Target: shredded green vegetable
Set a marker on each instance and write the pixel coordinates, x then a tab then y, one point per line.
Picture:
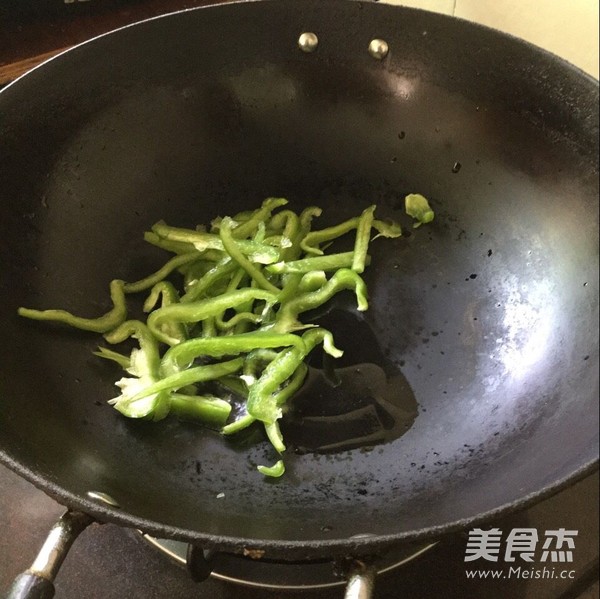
225	312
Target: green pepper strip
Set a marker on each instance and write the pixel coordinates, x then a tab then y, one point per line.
198	374
207	282
261	215
289	222
162	290
314	238
240	217
280	241
201	241
274	434
291	283
280	397
238	319
236	280
182	355
238	425
306	217
262	399
147	341
206	408
146	362
203	309
167	292
162	272
312	281
330	262
261	233
276	470
233	284
177	247
361	243
220	271
294	383
231	247
104	323
193	272
241	321
256	360
109	354
390	229
287	317
209	328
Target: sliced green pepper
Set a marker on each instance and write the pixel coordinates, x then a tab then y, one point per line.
144	366
220	271
274	434
277	470
162	272
280	398
197	374
312	281
201	310
223	276
306	265
261	215
205	408
315	238
201	241
344	278
363	236
310	244
289	223
182	355
262	400
108	354
166	292
177	247
256	361
110	320
238	425
232	248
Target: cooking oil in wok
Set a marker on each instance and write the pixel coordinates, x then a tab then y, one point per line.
358	400
359	406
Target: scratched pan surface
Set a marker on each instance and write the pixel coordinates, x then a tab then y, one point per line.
490	313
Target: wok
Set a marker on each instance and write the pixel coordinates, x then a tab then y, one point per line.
490	313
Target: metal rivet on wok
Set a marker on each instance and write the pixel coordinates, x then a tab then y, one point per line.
378	49
103	497
308	42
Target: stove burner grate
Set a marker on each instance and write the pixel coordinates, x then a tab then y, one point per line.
274	575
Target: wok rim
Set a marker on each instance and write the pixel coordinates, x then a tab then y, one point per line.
313	548
408	9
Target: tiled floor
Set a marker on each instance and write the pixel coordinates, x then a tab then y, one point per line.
568	28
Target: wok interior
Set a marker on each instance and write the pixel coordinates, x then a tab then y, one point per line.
490	312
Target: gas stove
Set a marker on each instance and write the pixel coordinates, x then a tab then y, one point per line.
111	562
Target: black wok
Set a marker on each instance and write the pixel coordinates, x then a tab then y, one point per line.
490	313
